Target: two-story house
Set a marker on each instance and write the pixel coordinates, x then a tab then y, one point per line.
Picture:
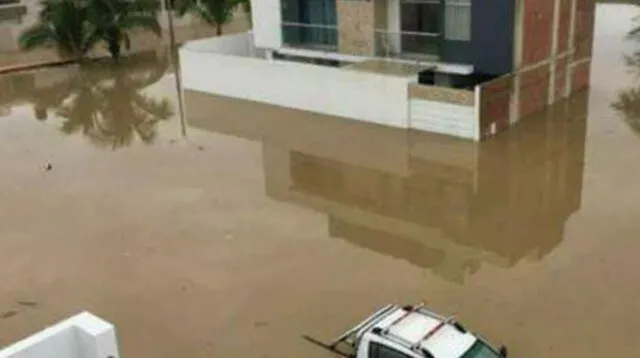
468	68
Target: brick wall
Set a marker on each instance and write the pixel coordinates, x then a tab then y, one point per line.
537	29
561	77
534	90
584	23
564	23
495	104
580	76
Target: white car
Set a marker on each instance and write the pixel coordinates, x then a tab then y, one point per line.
410	332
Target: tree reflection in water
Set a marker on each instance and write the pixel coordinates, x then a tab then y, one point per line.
628	102
106	102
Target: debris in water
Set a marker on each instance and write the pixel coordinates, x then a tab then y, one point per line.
27	303
260	324
8	314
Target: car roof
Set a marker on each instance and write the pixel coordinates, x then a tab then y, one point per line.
434	333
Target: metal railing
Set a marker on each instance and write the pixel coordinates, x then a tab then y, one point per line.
310	36
407	45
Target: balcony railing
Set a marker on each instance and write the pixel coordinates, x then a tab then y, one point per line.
407	45
310	36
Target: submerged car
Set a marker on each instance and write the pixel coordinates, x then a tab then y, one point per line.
410	332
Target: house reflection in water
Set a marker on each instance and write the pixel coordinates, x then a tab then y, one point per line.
436	202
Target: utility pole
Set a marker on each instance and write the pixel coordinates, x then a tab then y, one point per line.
175	62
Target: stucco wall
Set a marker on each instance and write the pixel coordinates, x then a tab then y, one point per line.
352	94
356	23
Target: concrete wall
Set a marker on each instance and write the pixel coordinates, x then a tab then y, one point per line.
352	94
444	118
267	21
443	110
82	336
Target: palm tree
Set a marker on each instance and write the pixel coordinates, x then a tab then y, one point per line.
628	101
62	24
114	19
246	6
214	12
628	105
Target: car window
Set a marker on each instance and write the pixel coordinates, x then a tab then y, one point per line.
481	350
377	350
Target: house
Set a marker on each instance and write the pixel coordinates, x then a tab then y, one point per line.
468	68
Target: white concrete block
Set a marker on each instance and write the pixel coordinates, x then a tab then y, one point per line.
82	336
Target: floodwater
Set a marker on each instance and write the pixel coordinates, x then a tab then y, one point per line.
264	224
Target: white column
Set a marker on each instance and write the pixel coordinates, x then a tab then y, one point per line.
554	51
514	110
572	49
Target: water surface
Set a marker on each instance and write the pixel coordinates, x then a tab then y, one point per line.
264	224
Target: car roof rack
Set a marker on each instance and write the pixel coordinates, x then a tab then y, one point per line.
417	346
409	310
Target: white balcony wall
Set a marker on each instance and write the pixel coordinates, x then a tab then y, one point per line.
267	22
82	336
208	66
444	118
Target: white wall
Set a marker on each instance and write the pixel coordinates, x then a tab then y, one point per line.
237	45
267	21
352	94
443	118
82	336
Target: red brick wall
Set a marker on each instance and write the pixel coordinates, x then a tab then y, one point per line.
580	76
537	28
495	99
534	90
561	77
583	35
535	84
564	25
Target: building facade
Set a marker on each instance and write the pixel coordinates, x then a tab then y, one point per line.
467	68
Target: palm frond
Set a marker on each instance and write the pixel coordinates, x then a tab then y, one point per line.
142	21
39	35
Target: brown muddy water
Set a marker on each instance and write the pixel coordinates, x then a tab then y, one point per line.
264	224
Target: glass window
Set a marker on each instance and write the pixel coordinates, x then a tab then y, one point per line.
457	20
309	23
421	16
377	350
481	350
420	26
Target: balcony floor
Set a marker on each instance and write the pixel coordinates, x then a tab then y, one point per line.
389	67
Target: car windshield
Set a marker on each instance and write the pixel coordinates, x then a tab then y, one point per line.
480	350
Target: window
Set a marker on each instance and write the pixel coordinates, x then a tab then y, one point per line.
481	350
12	14
420	26
457	19
310	23
377	350
421	16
